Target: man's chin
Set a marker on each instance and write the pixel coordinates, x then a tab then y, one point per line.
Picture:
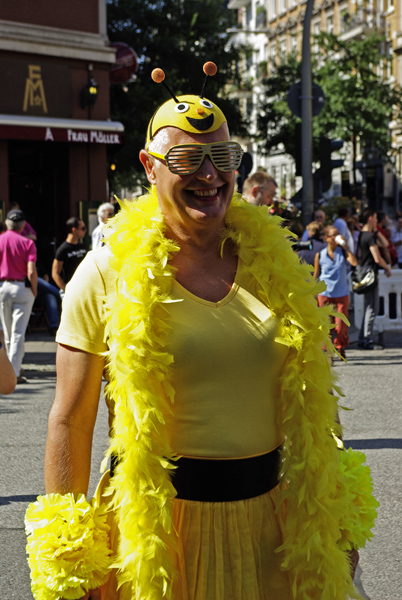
206	210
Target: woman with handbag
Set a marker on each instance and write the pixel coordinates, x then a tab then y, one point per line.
369	257
330	267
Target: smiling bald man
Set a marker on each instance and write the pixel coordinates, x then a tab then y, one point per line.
205	324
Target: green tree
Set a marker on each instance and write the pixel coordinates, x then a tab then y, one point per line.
178	36
359	102
275	122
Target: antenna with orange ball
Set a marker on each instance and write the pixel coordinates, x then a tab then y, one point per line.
158	75
210	70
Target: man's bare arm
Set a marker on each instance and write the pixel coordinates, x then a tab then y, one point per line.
379	260
57	268
32	275
8	379
72	420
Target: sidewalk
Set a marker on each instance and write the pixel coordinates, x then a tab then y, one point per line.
390	339
40	352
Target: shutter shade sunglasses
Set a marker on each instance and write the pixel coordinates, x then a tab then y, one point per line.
185	159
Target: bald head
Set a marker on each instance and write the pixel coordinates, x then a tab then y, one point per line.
260	189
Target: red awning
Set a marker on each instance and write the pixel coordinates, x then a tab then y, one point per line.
15	127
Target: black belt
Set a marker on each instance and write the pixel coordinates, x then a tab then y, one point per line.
213	480
219	480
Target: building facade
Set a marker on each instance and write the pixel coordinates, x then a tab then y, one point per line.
274	28
54	113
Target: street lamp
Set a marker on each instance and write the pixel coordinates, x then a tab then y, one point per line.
89	93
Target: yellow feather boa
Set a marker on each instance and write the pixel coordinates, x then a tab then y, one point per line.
315	490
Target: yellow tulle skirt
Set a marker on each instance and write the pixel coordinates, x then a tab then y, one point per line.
226	551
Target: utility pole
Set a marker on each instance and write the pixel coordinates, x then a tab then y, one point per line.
307	115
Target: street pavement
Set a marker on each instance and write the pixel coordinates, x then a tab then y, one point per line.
372	384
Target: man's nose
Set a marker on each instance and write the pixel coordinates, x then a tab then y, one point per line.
207	170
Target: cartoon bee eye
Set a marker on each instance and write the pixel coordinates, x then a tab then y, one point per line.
206	103
182	107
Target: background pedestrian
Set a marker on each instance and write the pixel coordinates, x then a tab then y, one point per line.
369	255
260	189
69	254
18	281
105	211
330	267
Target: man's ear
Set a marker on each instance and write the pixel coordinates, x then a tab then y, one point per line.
255	191
149	166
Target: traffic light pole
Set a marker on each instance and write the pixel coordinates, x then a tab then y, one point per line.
307	116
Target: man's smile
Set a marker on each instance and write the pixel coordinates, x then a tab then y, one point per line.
205	193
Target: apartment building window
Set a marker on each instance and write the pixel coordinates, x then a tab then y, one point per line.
292	4
293	43
260	15
282	6
284	177
257	8
249	59
273	54
389	60
249	14
330	24
369	6
272	9
249	107
316	29
282	49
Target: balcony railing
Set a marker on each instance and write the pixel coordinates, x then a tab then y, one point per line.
362	18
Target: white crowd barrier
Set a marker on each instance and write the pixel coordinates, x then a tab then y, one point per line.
389	316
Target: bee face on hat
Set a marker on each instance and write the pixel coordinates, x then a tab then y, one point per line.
193	114
190	113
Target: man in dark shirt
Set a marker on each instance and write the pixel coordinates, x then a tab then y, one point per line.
369	255
69	254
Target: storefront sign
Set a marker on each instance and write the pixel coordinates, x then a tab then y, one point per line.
55	134
93	137
37	88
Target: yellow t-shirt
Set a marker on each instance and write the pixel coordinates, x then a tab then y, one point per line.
226	367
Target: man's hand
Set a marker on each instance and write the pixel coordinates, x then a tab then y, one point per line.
91	595
353	558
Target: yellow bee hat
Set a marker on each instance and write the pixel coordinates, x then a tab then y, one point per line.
194	114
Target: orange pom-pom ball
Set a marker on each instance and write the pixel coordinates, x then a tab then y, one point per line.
158	75
210	68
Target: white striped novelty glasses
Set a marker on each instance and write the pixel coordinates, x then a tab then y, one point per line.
185	159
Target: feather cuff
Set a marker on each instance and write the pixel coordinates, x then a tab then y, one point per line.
68	546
